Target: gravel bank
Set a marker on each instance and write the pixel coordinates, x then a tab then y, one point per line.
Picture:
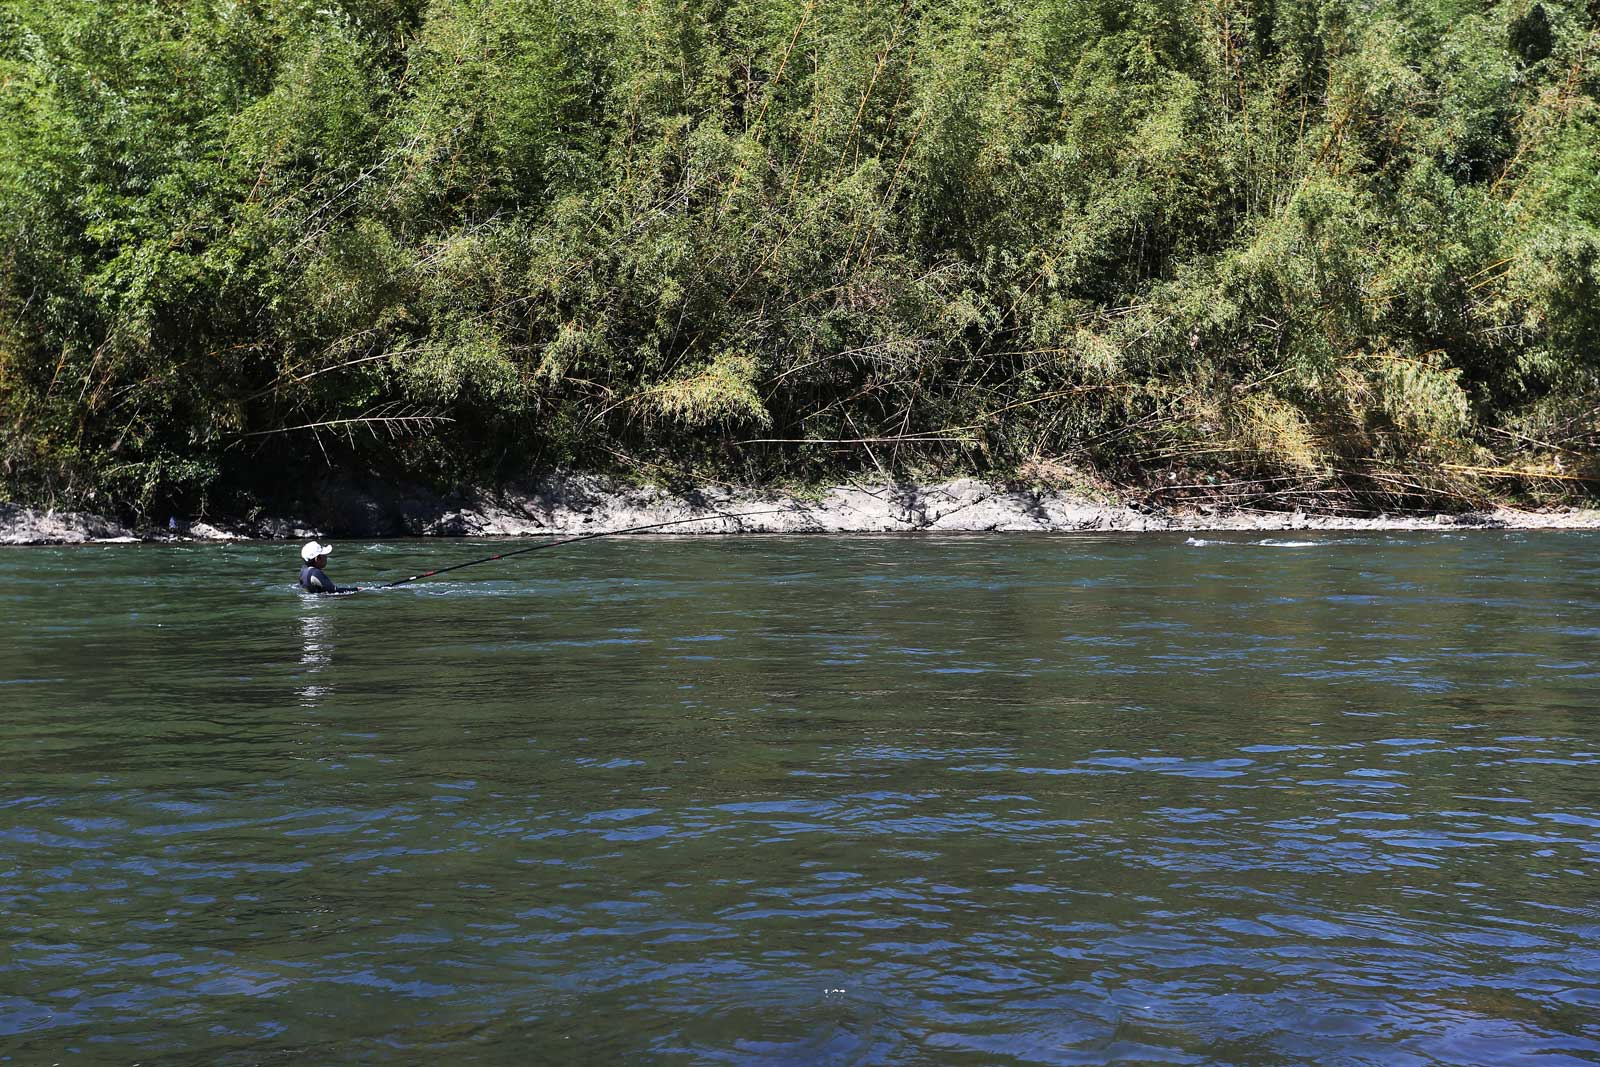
577	504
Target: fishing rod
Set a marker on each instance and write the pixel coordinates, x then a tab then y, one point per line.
582	537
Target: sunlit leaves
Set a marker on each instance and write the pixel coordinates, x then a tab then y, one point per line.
1300	236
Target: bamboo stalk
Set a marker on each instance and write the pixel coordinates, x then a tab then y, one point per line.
1515	472
912	439
847	352
1533	441
390	421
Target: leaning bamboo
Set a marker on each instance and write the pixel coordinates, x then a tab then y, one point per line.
1515	472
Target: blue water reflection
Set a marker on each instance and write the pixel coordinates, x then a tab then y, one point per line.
1079	800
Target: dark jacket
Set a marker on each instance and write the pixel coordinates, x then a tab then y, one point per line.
312	580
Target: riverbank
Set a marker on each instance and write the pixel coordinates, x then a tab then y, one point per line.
577	504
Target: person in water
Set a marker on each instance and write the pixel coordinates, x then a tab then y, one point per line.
312	578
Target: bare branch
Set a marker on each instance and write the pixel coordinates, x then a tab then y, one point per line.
396	425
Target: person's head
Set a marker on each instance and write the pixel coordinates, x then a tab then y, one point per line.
315	554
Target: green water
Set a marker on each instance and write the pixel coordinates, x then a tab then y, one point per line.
992	800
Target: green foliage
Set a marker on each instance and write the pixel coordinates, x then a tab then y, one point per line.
1315	239
724	390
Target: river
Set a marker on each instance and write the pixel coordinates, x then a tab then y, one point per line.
1168	799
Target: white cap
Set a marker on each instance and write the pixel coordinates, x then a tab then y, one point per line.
311	550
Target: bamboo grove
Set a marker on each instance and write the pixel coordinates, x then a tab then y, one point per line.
1332	250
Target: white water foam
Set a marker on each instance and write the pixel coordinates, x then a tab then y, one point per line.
1276	542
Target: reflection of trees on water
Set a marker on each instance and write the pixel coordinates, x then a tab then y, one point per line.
316	656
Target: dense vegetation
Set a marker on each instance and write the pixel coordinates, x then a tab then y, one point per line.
1325	250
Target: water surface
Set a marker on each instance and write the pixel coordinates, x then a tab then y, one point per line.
1225	799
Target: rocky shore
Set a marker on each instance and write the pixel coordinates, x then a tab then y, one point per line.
578	504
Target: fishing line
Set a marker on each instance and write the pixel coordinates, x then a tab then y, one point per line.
584	537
